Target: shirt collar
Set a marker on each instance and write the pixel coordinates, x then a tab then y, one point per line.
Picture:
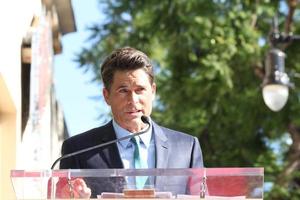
121	132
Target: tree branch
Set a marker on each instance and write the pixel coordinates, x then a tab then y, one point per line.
292	4
254	16
289	18
293	162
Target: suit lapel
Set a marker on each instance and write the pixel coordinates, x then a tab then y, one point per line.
111	153
162	151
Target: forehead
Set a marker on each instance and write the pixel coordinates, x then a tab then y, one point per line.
138	76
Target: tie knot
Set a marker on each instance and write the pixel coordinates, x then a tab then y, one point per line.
135	140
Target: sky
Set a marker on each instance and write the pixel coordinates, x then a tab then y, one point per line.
73	86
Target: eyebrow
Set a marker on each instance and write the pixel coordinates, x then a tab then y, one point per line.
122	86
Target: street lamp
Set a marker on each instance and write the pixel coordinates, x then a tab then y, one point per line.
276	81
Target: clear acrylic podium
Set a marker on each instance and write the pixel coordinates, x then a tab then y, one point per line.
204	183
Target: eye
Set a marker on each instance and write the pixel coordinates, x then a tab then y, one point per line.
140	90
123	90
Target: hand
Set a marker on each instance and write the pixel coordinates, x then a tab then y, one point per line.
74	188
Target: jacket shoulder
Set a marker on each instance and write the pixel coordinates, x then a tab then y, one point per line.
89	137
170	133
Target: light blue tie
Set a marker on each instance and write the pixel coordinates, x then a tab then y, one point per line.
139	163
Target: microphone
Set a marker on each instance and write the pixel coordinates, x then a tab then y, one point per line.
144	120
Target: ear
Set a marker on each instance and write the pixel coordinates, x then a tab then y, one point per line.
105	93
153	91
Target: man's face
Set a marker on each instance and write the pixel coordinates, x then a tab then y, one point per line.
130	97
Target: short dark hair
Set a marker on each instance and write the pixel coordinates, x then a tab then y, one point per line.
125	59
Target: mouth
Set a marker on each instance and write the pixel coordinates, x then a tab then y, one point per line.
134	112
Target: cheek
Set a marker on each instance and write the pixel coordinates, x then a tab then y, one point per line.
148	100
119	103
116	109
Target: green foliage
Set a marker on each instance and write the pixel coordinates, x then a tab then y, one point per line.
205	55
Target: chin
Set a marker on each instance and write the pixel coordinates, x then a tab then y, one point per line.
133	118
134	121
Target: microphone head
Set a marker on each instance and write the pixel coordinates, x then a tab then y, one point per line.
145	119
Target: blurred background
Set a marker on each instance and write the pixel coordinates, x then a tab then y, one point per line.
227	72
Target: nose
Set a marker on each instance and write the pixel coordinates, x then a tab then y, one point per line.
133	97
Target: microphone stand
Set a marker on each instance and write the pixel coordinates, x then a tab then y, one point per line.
143	118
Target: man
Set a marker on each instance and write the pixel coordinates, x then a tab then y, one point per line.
129	89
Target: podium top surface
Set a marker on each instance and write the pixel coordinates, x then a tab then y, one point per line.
139	172
233	183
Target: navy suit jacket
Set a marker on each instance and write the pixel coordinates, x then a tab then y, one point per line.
173	150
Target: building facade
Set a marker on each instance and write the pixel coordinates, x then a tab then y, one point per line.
32	124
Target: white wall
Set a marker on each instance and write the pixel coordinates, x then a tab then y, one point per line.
15	18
